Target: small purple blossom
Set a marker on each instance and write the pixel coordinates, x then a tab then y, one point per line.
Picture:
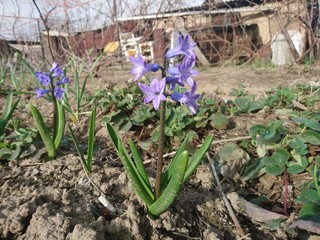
141	67
184	72
43	78
154	92
58	92
188	98
40	92
184	48
63	80
56	70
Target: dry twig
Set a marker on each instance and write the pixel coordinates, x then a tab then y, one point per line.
226	201
216	142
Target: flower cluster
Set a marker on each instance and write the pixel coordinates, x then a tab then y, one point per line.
46	81
180	74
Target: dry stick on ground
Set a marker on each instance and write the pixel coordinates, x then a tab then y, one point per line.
102	198
216	142
226	201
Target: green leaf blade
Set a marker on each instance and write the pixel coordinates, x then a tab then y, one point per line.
197	157
139	163
170	192
91	139
44	133
61	123
141	188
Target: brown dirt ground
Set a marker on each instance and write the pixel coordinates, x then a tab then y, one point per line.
221	80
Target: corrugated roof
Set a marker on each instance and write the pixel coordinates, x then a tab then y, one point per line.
189	13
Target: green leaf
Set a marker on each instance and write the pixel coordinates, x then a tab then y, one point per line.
311	137
219	121
309	196
298	143
243	103
275	165
170	192
299	165
145	145
16	150
274	169
44	133
274	224
253	171
282	156
82	93
257	105
29	67
166	176
155	134
310	123
91	139
61	123
197	157
7	107
141	114
78	148
261	146
139	163
310	211
7	112
140	187
125	126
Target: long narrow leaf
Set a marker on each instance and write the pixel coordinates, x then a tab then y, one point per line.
140	186
137	184
44	133
61	123
96	62
169	172
76	85
7	113
7	107
170	192
197	157
91	138
82	90
139	163
29	67
76	144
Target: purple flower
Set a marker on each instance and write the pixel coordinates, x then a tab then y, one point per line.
184	48
188	98
184	71
141	67
173	81
63	81
58	92
43	78
40	92
56	71
154	92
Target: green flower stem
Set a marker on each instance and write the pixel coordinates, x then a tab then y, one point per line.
55	118
55	111
162	111
160	148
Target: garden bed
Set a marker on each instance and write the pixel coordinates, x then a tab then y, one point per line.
43	199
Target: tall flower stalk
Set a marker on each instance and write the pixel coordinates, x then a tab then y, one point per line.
158	92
